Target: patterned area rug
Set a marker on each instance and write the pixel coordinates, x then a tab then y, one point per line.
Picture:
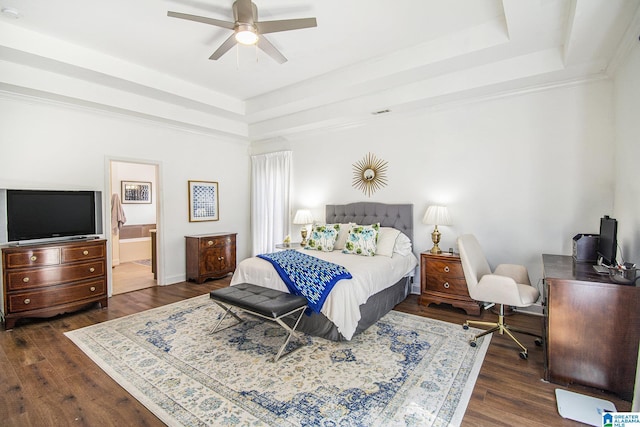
404	370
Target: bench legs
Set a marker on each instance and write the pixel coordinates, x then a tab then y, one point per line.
227	310
292	330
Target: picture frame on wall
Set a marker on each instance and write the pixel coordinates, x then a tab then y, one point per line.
203	201
136	192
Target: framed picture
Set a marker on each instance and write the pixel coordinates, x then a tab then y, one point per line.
136	192
203	201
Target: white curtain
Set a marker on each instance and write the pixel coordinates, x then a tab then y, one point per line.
270	200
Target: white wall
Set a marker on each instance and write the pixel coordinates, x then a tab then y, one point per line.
136	213
45	145
627	166
524	173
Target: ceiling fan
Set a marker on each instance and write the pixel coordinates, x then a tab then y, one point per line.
248	30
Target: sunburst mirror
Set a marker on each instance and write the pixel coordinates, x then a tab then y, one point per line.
369	174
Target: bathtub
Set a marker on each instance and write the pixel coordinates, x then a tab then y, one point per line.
135	249
133	243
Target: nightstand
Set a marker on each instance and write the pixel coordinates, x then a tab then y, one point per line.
442	281
285	246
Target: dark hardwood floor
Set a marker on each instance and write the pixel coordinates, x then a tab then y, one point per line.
45	380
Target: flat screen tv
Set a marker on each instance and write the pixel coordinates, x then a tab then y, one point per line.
47	214
608	242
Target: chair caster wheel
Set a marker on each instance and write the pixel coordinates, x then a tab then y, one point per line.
473	343
538	342
524	355
465	327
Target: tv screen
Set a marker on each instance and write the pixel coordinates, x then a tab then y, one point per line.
608	243
42	214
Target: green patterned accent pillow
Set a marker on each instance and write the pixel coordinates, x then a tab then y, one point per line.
362	240
323	237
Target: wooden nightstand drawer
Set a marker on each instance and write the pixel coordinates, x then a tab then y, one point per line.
446	268
446	284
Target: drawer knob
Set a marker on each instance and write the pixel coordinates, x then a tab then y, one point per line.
220	258
27	301
446	269
33	258
25	280
210	242
446	285
92	269
92	289
85	253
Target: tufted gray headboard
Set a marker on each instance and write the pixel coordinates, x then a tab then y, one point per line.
388	215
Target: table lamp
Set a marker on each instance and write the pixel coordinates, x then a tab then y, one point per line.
303	217
436	215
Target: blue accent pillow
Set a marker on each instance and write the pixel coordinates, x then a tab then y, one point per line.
362	240
323	237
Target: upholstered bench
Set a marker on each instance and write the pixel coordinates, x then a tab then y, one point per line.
263	302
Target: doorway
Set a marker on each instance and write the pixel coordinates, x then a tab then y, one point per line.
134	216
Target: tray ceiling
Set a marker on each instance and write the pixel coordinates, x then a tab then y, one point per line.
364	56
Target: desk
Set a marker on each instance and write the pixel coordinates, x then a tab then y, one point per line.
592	327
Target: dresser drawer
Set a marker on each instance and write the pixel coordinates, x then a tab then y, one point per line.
80	253
446	284
214	242
56	295
25	279
445	268
31	258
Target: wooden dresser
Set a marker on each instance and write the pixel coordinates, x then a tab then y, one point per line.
210	256
442	281
48	279
591	327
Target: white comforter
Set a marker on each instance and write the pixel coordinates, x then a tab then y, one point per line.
342	306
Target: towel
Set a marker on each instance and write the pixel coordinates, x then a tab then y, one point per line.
118	217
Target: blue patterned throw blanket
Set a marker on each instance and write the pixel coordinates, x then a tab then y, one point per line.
308	276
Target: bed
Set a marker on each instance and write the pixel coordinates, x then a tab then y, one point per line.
379	282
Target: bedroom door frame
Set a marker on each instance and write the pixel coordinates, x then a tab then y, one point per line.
160	270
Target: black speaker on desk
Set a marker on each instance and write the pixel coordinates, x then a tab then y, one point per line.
585	248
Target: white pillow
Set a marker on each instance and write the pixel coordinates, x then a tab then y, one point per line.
403	245
386	241
323	237
342	235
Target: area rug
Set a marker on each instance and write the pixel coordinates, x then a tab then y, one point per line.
404	370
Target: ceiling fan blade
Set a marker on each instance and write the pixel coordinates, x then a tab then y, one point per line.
243	11
285	25
224	47
271	50
210	21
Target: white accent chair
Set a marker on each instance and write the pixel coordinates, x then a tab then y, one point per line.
508	285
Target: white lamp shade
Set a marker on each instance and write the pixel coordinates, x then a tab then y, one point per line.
303	217
437	215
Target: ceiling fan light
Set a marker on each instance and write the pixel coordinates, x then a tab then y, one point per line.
246	34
